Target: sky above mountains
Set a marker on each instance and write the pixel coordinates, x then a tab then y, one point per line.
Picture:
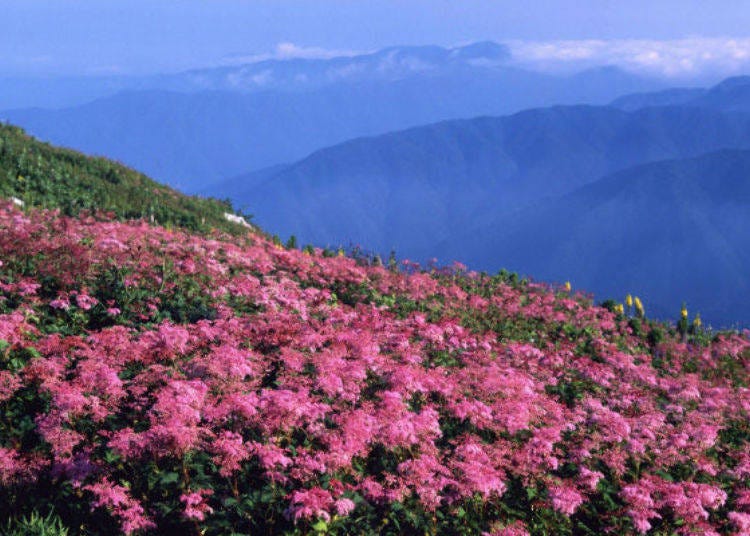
677	38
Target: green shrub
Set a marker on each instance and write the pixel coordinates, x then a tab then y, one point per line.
35	525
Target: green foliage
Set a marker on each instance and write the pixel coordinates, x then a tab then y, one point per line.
35	525
46	176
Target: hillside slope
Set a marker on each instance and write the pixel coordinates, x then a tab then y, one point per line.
670	231
43	175
157	382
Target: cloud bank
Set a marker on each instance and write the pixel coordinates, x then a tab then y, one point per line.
287	51
688	58
681	58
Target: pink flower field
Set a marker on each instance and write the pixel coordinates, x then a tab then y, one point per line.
157	382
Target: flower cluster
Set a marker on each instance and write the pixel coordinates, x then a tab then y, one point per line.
160	381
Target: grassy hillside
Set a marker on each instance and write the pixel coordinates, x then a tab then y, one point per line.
153	381
46	176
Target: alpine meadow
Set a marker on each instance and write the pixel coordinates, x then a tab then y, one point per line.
374	268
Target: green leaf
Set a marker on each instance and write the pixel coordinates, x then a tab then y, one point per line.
169	478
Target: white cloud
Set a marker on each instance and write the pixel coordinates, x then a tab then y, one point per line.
285	51
689	57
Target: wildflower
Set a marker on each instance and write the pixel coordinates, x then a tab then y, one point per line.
619	309
85	302
589	479
116	499
697	323
629	300
684	312
311	503
195	506
344	506
639	310
60	303
741	521
568	286
565	498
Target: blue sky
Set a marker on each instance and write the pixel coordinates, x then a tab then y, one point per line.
142	36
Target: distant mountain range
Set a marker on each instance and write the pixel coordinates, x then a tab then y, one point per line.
670	231
252	75
454	190
411	189
192	129
731	95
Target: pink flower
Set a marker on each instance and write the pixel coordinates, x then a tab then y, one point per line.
589	479
230	452
85	302
195	506
311	503
10	465
9	383
741	521
116	499
344	506
565	498
60	303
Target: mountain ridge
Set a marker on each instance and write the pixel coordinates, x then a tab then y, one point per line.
190	140
505	162
669	231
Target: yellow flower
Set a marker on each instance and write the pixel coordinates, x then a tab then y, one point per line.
341	252
639	307
684	312
697	321
568	286
629	300
619	309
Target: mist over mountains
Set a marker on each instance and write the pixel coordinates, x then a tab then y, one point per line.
395	190
195	128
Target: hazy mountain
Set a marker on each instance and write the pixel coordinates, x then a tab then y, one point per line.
730	95
669	231
666	97
255	74
252	75
295	74
733	94
55	91
410	190
191	139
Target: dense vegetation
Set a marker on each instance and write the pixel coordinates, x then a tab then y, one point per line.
160	382
46	176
